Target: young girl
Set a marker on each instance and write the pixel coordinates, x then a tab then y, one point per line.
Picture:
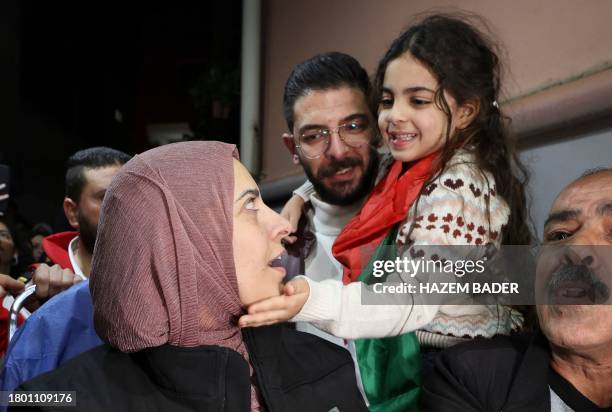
454	181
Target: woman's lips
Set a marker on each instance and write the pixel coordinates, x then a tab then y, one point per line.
281	270
277	263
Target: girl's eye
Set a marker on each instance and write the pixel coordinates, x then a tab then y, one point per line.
557	236
386	102
419	102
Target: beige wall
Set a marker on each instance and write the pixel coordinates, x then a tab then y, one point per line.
547	42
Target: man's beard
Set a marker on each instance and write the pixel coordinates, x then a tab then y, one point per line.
340	197
87	233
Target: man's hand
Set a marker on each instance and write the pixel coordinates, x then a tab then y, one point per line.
278	308
52	280
10	285
292	211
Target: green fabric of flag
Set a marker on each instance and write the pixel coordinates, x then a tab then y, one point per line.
390	367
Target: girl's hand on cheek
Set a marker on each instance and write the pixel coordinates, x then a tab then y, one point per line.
277	309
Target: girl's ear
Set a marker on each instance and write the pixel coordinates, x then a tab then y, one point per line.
467	113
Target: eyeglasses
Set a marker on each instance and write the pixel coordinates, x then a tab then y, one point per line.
313	143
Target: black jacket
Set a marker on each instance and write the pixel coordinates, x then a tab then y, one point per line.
509	374
295	372
500	374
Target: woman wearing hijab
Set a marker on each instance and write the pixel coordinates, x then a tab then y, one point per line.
185	243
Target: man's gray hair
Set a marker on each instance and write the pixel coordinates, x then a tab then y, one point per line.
593	172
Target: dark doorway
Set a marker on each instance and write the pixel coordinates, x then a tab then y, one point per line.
116	74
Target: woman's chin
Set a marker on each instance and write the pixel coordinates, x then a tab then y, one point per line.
262	295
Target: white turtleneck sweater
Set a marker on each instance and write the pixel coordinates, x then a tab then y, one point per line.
326	223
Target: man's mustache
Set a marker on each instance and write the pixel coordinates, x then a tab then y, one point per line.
597	291
337	165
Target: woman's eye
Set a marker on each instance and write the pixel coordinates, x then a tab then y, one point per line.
250	205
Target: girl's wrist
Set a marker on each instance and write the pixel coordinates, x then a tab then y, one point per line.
321	303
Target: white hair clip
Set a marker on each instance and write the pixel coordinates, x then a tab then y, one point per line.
495	104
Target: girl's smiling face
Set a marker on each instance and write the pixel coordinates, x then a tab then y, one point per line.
411	123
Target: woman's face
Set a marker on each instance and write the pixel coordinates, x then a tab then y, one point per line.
37	249
258	231
411	123
7	246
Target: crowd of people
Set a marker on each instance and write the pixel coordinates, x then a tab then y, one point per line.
181	290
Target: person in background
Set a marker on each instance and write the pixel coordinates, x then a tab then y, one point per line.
329	92
15	260
567	366
37	234
63	330
15	270
88	175
15	252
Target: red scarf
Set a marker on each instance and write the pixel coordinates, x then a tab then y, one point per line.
387	205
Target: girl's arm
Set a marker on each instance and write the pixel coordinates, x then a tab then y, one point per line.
292	211
304	191
337	309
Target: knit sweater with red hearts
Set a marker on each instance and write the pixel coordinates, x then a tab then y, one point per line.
451	212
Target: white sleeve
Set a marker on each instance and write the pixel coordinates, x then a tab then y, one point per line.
336	308
304	191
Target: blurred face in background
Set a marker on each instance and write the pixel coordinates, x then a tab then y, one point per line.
84	215
7	249
37	250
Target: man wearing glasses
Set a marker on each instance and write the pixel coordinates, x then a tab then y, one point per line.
333	136
333	130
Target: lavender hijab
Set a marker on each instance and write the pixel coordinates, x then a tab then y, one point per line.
163	266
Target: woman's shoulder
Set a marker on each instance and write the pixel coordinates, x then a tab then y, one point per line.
72	369
105	378
77	377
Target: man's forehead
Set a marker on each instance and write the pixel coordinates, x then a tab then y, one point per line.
585	192
100	177
329	105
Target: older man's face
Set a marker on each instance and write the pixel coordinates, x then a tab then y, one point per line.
581	218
